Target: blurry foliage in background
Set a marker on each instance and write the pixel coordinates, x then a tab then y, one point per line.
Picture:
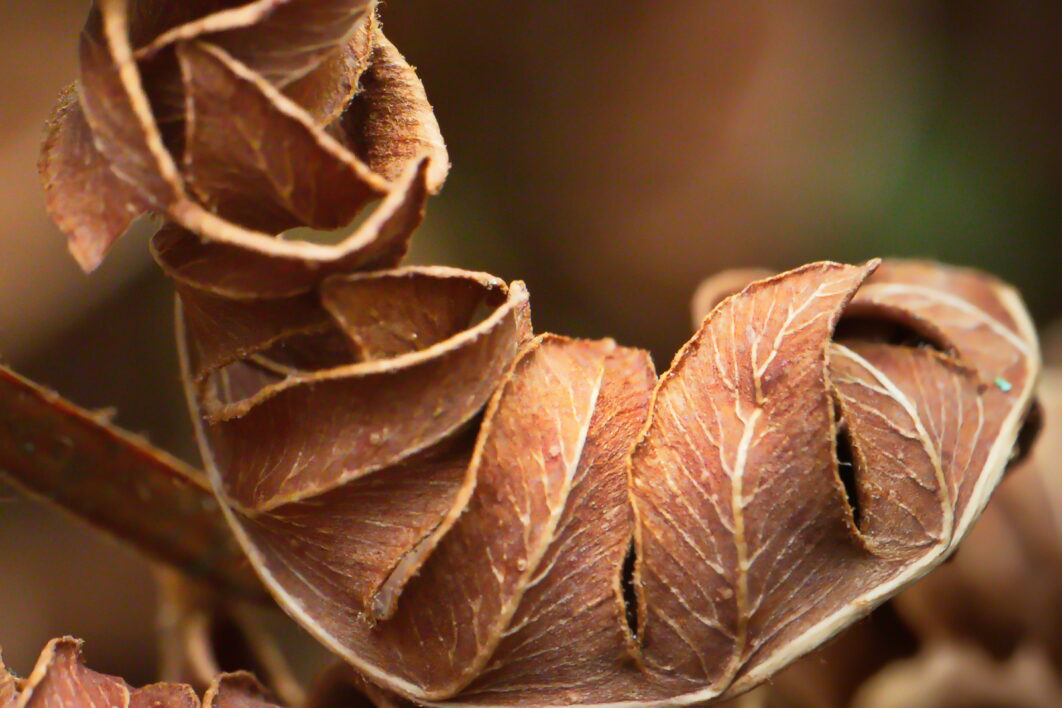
611	154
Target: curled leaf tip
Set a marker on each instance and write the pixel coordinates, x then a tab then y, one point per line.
331	118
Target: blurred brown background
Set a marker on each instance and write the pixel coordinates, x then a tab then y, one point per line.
610	154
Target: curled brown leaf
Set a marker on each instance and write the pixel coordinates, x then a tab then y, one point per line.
408	403
1000	591
390	122
85	197
239	167
60	679
269	271
748	547
982	629
280	40
152	126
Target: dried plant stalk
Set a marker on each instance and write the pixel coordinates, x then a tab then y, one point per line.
118	482
468	513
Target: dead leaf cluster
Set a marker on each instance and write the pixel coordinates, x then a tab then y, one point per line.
465	511
60	679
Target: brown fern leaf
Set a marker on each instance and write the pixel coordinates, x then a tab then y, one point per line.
152	125
466	513
499	578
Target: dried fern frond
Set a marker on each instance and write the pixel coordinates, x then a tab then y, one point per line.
465	511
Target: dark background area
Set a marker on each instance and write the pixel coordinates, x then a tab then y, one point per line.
611	155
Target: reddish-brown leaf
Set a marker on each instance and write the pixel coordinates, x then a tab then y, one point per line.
224	332
1001	589
743	529
117	109
388	314
326	91
985	324
493	574
280	40
270	166
390	122
59	680
266	166
572	616
274	268
907	503
237	690
84	196
365	416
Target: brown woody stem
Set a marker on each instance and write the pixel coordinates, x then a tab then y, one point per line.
118	482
